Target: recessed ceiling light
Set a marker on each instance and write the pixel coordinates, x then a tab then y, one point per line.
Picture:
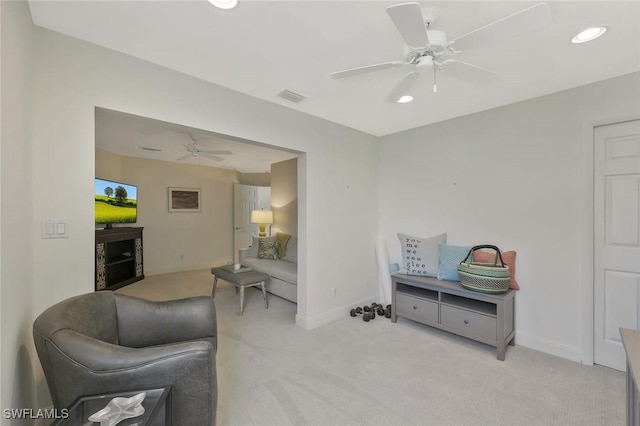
224	4
404	99
588	34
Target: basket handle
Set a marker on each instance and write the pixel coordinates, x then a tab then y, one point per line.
485	246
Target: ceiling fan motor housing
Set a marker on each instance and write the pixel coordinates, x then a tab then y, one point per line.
425	61
437	39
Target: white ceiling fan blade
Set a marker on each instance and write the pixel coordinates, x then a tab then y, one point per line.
509	26
211	157
222	152
448	62
408	19
366	69
403	87
183	157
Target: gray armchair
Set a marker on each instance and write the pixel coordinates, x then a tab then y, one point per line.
104	342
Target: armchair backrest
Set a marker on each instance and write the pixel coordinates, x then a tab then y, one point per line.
92	315
144	323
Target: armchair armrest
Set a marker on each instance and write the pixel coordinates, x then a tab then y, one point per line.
86	366
144	323
97	356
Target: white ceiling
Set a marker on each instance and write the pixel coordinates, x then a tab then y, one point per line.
135	136
263	47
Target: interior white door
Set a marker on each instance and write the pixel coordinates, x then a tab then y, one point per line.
245	199
616	239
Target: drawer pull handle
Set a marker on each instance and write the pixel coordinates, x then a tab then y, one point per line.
466	321
414	308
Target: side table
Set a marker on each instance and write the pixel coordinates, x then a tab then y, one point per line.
241	280
157	408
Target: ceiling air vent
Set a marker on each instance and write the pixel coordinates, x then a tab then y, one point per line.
292	96
146	148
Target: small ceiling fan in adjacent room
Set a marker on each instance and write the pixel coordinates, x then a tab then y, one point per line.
196	150
429	51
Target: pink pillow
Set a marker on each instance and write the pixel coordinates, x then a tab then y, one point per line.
509	258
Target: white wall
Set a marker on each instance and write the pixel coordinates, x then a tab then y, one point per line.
513	177
73	77
177	241
17	230
284	196
257	179
264	197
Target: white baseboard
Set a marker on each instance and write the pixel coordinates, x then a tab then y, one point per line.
309	323
548	346
522	339
161	271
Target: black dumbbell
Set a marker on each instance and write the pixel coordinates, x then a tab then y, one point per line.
387	311
355	311
366	316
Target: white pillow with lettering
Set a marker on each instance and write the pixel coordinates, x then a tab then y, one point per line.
420	255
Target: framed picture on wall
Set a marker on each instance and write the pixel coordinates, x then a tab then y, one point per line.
184	200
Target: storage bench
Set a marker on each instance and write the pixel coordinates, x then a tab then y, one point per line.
486	318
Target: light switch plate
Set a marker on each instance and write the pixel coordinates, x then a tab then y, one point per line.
55	229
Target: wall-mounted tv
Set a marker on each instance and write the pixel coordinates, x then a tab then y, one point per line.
116	202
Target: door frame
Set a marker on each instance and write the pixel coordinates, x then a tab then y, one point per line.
587	222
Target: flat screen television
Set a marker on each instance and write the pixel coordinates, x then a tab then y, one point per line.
116	202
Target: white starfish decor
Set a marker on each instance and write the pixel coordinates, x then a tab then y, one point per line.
119	409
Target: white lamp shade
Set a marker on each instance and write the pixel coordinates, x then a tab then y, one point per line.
261	216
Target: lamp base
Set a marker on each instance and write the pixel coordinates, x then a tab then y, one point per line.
262	228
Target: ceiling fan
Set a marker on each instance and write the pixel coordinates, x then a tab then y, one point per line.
195	150
427	50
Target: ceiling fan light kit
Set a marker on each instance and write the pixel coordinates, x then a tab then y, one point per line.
224	4
427	50
589	34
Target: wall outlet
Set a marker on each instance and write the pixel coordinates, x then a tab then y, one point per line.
334	292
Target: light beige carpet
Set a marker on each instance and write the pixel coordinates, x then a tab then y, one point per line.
271	372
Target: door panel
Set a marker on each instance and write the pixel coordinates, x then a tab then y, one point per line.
616	238
622	210
621	304
245	199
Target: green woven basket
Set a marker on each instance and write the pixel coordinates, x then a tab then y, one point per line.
484	277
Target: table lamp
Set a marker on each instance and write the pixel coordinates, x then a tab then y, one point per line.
262	218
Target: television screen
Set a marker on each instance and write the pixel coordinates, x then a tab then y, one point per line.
115	202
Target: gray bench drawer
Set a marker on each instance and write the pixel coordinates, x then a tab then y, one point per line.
469	322
417	309
447	305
